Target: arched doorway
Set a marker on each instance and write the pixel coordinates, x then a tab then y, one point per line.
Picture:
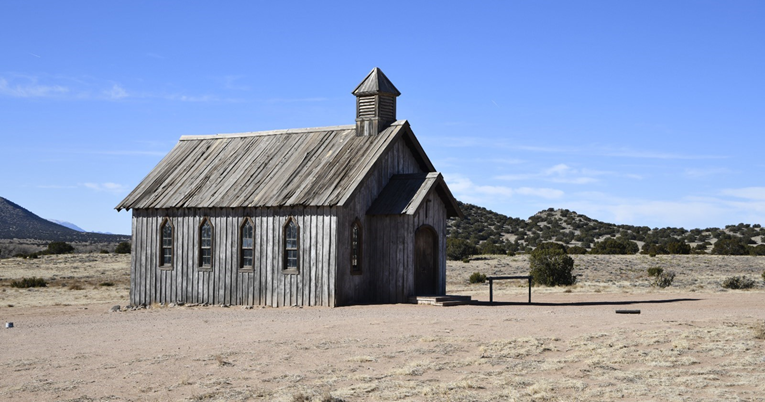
425	261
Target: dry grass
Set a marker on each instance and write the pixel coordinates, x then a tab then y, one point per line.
710	349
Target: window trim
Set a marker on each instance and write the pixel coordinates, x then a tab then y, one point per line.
201	265
161	261
285	270
360	252
242	267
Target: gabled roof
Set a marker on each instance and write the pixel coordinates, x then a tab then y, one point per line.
375	83
405	192
310	167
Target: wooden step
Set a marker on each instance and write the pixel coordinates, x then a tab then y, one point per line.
444	301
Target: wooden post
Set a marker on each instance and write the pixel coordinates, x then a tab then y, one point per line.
529	289
491	290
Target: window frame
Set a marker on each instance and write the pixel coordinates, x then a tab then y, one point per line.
242	266
285	268
200	248
162	265
358	268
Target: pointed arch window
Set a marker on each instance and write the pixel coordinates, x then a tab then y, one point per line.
356	247
166	244
246	244
205	244
291	244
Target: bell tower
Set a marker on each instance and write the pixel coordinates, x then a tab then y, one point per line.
375	103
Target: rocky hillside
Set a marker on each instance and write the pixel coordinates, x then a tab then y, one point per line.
481	226
18	223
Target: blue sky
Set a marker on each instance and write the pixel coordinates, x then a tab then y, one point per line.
646	113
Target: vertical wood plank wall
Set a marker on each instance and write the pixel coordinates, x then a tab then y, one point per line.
388	241
225	282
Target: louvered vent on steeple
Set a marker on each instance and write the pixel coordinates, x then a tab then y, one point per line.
375	103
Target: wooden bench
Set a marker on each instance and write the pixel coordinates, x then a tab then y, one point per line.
491	280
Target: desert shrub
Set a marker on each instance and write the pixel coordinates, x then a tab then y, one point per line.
551	246
104	251
106	284
477	277
551	267
664	279
123	248
75	286
20	255
511	253
459	249
763	276
615	246
466	260
738	282
732	246
678	247
757	250
32	282
33	255
59	247
655	271
489	247
576	250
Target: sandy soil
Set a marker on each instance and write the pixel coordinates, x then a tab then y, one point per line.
691	342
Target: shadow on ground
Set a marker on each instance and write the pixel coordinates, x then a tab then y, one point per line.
575	304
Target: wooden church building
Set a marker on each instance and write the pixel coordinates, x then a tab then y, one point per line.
324	216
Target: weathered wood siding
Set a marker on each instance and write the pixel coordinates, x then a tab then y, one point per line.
225	282
388	240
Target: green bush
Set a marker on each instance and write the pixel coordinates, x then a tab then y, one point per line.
477	277
32	282
459	249
123	248
738	282
576	250
59	247
551	246
664	279
551	267
615	246
732	246
655	271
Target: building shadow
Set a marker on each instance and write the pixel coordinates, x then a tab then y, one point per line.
579	304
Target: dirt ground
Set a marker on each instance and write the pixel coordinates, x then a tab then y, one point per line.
693	341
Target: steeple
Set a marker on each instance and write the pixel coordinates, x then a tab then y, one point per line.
375	103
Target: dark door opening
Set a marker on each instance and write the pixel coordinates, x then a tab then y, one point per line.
425	261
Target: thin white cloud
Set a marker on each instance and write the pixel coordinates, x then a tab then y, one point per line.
465	189
560	173
106	187
30	89
750	193
116	92
85	88
695	173
290	100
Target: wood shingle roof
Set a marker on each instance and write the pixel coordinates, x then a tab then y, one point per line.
309	167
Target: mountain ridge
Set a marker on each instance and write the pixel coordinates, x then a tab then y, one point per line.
481	226
16	222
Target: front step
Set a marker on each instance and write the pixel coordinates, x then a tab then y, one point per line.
444	301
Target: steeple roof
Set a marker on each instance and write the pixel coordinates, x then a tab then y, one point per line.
376	83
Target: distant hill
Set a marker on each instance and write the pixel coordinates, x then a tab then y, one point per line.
481	225
69	225
19	223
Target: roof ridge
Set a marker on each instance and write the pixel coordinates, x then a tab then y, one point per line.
267	132
276	132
